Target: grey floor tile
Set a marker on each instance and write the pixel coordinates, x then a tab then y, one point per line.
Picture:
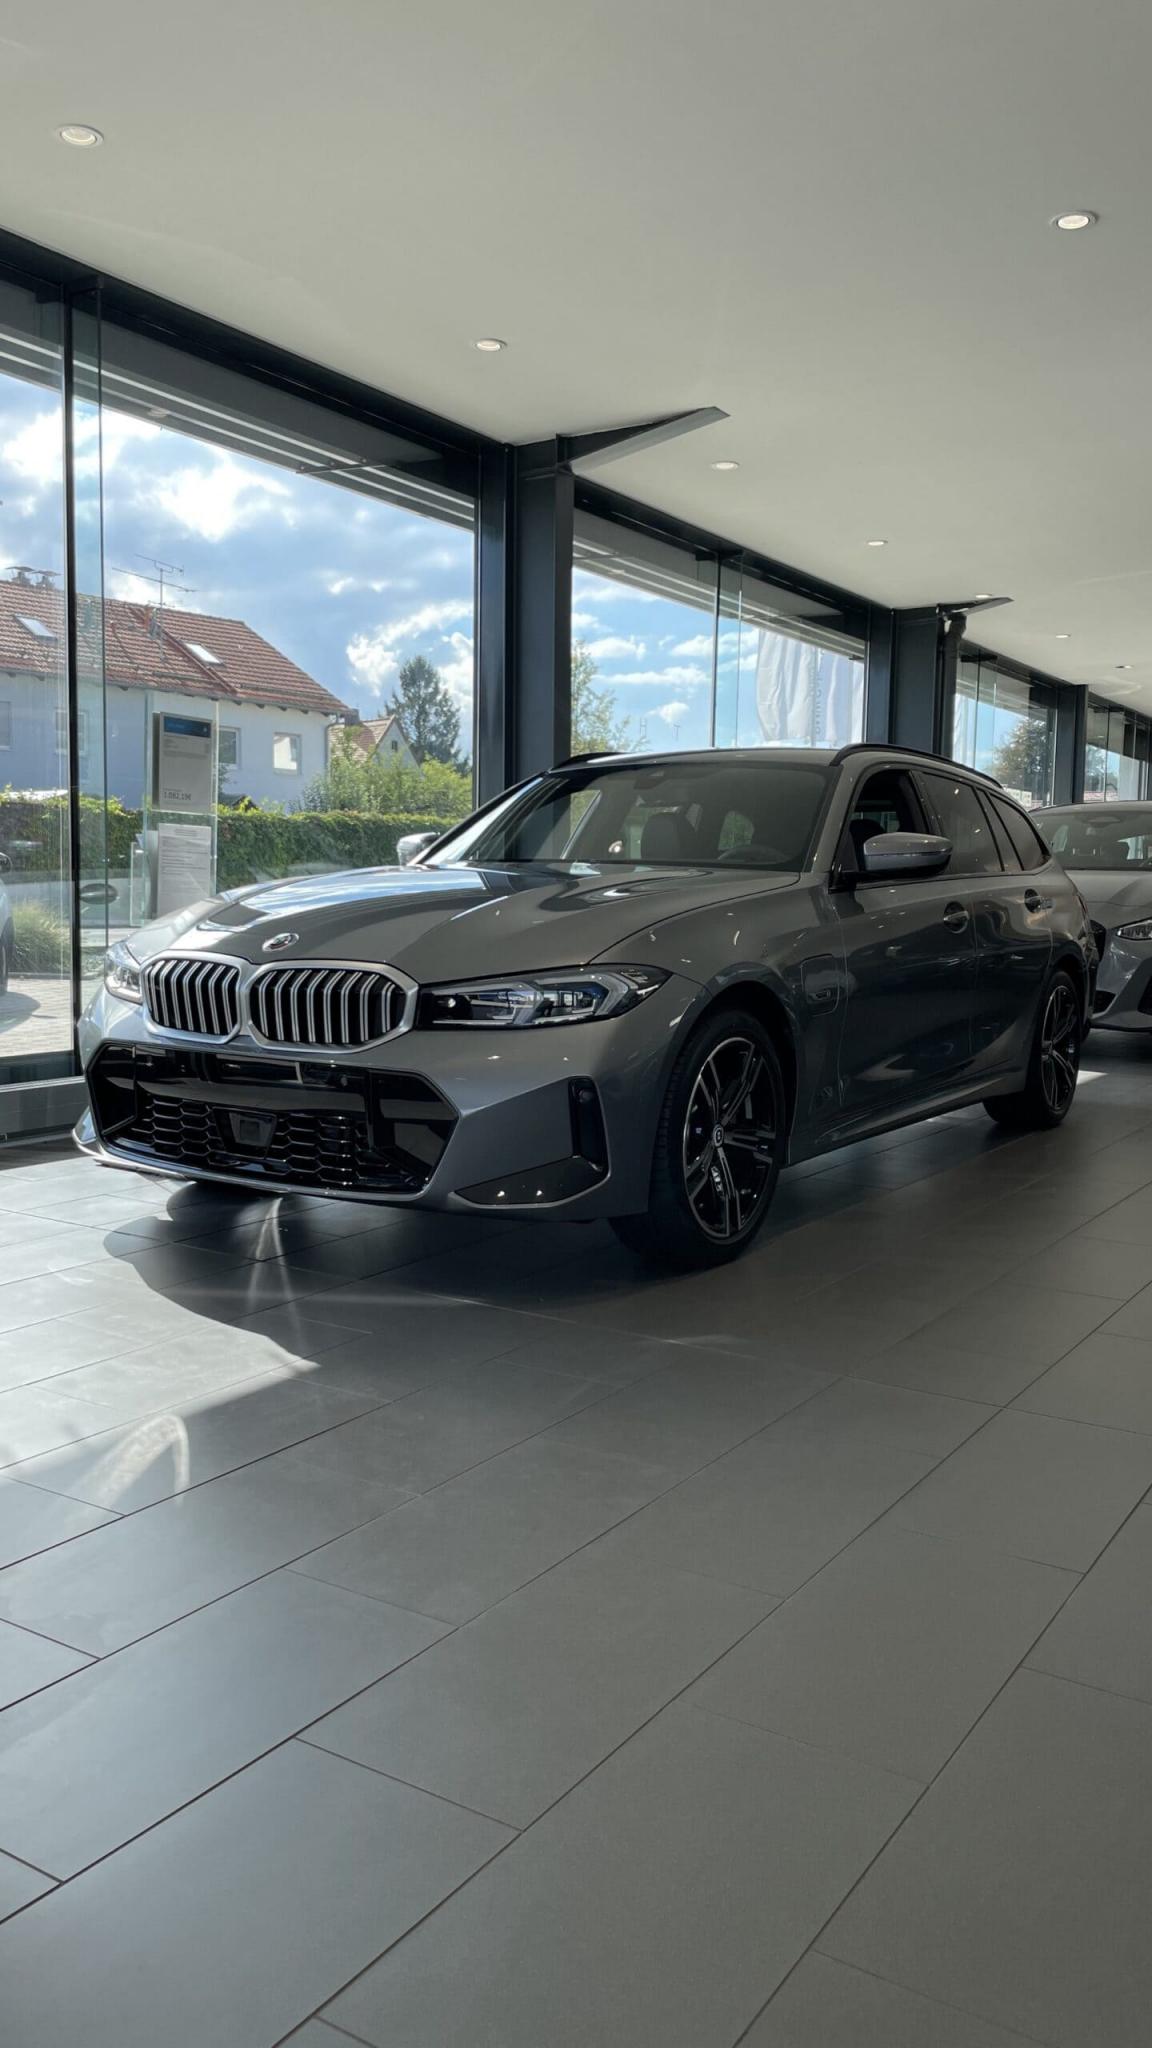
659	1903
140	1734
301	1335
20	1885
1090	1265
1102	1637
61	1345
770	1513
892	1652
565	1347
689	1413
150	1568
862	1412
32	1520
934	1366
42	1418
1020	1887
506	1714
1035	1486
456	1551
1106	1380
30	1662
474	1413
1030	1323
418	1344
24	1303
1127	1222
325	1864
145	1461
1134	1319
826	2004
316	2034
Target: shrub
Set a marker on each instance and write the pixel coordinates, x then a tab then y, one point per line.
40	941
256	846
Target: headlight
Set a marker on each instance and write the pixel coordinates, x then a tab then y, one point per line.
570	997
1143	930
122	974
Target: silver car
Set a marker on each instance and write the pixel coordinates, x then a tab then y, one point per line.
632	987
1107	850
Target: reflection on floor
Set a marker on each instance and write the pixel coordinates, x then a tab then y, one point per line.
447	1634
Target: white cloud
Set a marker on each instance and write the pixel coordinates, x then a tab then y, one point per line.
602	590
585	622
431	618
36	450
216	502
698	648
672	713
370	662
459	673
614	648
663	678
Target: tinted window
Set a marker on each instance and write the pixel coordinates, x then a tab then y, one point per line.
883	803
1027	844
659	813
1100	836
962	820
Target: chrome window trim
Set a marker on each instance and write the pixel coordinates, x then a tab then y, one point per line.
251	973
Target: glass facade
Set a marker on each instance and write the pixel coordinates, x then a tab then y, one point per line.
676	647
1116	753
1005	724
236	642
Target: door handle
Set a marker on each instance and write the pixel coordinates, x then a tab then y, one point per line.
1033	900
956	917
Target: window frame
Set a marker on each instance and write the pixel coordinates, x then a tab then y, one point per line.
297	741
845	872
235	730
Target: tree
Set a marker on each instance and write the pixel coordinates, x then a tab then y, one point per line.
379	785
594	728
428	712
1021	762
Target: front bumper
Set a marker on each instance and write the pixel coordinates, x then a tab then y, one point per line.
1123	1000
557	1118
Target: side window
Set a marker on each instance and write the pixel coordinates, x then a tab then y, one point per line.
1009	858
962	820
1030	849
885	802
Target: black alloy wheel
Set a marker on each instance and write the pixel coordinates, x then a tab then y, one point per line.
1054	1068
729	1141
719	1147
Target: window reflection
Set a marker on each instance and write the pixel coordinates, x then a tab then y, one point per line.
1005	725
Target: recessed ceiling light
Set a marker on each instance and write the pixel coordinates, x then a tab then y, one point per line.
1070	222
490	345
982	597
1123	664
1063	636
80	135
877	543
725	465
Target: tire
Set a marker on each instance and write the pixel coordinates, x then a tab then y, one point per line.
725	1099
1053	1070
5	959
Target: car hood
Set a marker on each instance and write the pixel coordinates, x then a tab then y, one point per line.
440	923
1113	896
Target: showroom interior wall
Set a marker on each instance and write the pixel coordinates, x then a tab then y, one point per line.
160	466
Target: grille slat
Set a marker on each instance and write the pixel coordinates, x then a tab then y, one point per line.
177	996
319	1006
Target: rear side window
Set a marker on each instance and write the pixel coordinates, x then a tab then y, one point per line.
1030	849
962	820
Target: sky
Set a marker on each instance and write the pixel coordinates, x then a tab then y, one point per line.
345	585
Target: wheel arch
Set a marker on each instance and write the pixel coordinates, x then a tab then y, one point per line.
764	1003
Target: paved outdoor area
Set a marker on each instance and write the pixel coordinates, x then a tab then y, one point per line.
449	1636
35	1016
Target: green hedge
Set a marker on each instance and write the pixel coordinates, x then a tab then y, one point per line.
252	845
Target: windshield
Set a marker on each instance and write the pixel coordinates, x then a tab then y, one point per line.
1113	836
718	812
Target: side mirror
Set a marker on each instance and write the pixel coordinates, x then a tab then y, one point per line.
413	844
5	863
897	854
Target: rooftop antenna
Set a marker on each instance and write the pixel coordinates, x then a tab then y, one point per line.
163	583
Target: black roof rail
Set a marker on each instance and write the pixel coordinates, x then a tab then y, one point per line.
918	753
601	754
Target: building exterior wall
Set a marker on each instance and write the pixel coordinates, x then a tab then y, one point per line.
36	754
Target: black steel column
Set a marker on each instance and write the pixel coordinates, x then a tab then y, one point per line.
879	673
926	648
1071	741
524	622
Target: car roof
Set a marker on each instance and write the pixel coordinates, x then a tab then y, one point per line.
798	757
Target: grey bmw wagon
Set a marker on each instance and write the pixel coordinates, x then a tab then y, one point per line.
632	987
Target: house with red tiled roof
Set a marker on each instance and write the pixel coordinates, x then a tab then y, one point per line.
273	718
384	738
